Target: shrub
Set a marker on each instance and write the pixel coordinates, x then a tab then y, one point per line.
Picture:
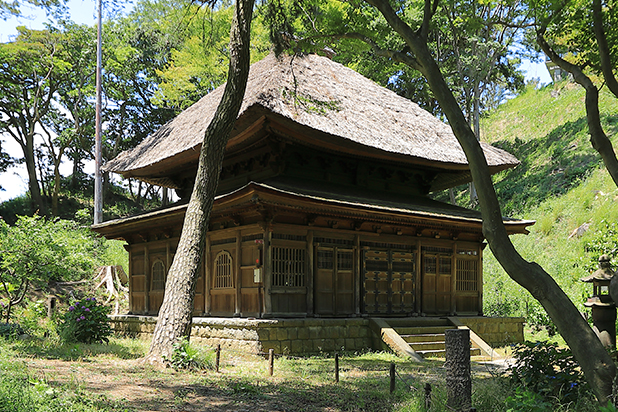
550	371
186	356
86	321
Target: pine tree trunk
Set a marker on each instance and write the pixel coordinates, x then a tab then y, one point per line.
586	347
175	315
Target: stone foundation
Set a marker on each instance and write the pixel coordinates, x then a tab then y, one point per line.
305	336
285	336
496	331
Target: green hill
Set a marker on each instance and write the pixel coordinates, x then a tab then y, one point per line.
561	183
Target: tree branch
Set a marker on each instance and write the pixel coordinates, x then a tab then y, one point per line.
598	138
604	53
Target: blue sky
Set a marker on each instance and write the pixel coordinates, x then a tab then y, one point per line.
14	181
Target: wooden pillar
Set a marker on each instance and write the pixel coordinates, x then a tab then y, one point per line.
454	280
268	272
419	275
357	275
146	280
480	279
207	280
131	273
310	272
238	275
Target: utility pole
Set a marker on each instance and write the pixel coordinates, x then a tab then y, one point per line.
98	181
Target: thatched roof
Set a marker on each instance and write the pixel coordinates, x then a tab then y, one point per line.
322	96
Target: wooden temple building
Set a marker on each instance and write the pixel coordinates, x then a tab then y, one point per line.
323	206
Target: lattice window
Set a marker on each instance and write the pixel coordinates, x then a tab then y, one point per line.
430	264
223	241
330	241
283	236
249	238
158	276
383	245
325	259
435	249
223	270
288	266
469	252
467	275
445	265
345	260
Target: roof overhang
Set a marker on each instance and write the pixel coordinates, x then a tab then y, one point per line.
414	211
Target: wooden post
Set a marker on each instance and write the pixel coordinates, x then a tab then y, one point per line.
453	303
458	377
217	358
337	367
427	396
238	276
357	276
392	375
271	361
309	268
146	280
51	306
267	272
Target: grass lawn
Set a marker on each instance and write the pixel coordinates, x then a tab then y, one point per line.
39	375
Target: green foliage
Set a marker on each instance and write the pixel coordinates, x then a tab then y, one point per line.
545	369
525	400
603	241
546	130
190	357
86	321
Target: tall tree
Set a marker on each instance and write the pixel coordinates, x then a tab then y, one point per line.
411	23
70	130
592	356
30	68
175	315
564	33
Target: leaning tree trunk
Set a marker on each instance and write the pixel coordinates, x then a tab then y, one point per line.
588	350
598	138
175	315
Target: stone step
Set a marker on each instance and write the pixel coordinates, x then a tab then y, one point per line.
424	337
425	346
440	353
416	330
418	321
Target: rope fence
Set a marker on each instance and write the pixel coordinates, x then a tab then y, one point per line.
393	375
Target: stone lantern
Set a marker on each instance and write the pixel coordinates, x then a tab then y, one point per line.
602	304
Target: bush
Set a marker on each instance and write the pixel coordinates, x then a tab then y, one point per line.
186	356
547	370
86	321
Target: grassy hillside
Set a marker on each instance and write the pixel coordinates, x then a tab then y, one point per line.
561	184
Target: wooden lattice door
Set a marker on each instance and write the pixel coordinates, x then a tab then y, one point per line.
437	275
334	282
389	284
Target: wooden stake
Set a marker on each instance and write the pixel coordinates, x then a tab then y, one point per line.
217	358
392	377
271	361
337	367
427	396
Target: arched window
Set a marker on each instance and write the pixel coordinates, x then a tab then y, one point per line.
158	276
223	270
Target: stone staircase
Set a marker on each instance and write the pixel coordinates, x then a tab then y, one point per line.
425	335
